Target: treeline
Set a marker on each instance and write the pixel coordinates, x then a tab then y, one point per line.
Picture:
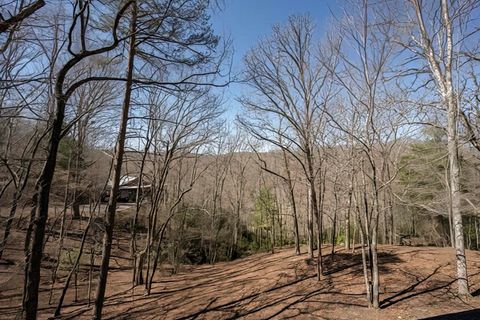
365	136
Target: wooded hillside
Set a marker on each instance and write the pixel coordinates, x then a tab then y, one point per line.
121	150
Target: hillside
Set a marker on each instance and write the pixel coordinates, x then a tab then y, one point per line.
416	283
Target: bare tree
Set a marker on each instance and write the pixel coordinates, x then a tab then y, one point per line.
364	53
117	170
237	169
223	154
186	125
291	88
17	11
44	182
287	178
439	63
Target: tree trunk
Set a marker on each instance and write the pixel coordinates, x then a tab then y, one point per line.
296	231
16	197
385	219
318	207
455	195
445	87
272	231
117	169
78	169
319	249
392	226
334	222
368	283
453	157
138	200
8	226
375	272
310	223
347	220
74	269
450	209
476	235
293	203
41	209
140	261
160	236
59	253
90	274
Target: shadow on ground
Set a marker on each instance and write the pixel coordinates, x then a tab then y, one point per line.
465	315
282	286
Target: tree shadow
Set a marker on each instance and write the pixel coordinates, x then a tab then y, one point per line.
273	301
343	261
464	315
231	305
476	293
434	286
411	292
248	289
353	261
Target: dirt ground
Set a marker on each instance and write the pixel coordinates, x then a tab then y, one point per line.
416	283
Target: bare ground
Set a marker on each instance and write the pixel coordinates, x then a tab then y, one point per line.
415	283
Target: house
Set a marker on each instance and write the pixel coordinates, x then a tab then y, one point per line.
128	189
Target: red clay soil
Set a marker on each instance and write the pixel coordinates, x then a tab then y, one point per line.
416	283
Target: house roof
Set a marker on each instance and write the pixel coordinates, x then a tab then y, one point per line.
129	182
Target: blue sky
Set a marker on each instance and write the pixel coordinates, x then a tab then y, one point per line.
246	21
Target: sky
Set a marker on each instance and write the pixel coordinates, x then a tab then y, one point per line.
245	22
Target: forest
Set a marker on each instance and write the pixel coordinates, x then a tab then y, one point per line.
335	174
